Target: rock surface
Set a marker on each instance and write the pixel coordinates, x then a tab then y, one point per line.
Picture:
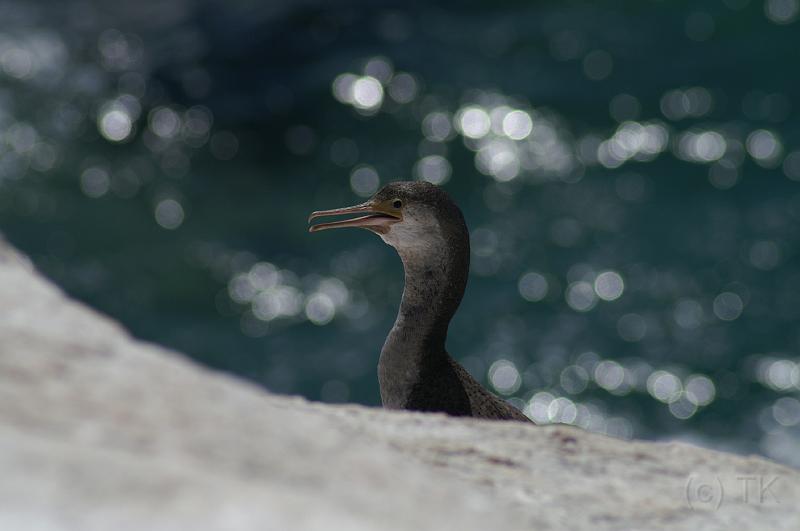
99	431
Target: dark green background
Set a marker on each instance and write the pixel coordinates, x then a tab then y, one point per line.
264	72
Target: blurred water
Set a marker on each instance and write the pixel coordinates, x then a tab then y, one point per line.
629	175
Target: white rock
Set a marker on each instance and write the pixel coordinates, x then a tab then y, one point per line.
101	432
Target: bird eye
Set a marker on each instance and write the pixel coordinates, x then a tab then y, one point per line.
397	203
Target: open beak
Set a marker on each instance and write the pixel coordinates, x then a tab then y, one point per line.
377	217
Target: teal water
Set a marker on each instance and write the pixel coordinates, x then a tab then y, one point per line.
630	174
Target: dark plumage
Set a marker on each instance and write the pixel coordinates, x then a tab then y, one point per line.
429	233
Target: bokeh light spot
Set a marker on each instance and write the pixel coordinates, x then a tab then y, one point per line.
436	127
164	122
473	122
581	296
765	255
664	386
688	314
95	182
764	146
517	125
782	11
700	390
728	306
364	180
367	93
320	309
682	408
786	411
504	377
574	379
597	65
533	286
169	214
609	285
433	168
114	123
403	88
609	375
791	165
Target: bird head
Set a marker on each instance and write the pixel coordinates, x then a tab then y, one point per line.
412	216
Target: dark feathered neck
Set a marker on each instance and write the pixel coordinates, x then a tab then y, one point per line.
434	286
431	295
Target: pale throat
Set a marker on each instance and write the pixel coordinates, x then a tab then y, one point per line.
432	289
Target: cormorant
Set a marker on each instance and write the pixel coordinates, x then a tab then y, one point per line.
428	231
